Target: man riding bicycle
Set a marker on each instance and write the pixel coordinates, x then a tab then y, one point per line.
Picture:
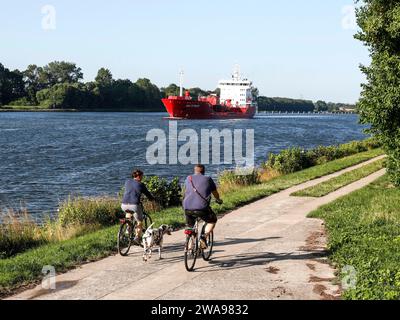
131	202
196	202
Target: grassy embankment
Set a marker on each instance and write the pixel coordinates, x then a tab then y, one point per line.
364	233
25	268
345	179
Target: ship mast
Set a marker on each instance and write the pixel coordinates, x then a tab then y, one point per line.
236	72
181	74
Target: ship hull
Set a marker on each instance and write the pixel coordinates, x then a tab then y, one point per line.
191	109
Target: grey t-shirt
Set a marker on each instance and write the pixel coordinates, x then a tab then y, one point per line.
205	186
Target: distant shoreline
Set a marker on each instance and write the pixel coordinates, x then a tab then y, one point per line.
152	111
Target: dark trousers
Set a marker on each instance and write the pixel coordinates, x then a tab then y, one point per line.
207	215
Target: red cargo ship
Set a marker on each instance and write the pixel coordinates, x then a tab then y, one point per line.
235	102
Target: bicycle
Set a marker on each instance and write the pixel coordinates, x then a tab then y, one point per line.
192	247
127	232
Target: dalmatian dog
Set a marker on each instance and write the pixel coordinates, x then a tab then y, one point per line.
153	238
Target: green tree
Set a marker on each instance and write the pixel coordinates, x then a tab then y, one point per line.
321	106
58	72
151	93
96	99
66	96
171	90
11	85
104	77
35	80
379	104
196	92
126	94
255	92
104	88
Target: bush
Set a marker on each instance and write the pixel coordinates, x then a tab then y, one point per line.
21	102
372	143
289	161
323	154
82	211
65	95
167	194
158	188
296	159
174	193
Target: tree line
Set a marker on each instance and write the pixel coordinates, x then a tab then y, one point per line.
59	85
299	105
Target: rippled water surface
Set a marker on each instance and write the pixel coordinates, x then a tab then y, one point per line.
44	157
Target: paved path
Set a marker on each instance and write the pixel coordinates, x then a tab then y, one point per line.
266	250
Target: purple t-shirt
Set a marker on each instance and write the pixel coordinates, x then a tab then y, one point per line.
205	186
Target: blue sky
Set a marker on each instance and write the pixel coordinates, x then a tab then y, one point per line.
289	48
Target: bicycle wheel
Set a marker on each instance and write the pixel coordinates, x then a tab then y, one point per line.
207	253
125	234
191	249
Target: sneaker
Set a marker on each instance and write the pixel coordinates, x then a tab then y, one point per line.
203	243
137	241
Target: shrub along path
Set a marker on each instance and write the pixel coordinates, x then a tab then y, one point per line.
266	250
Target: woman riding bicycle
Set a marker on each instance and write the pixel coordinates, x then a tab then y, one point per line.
131	202
197	201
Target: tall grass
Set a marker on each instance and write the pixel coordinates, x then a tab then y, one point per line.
86	211
18	232
77	216
231	180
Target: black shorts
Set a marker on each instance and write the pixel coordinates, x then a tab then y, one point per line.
206	215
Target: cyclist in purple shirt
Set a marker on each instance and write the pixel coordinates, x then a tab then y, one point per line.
196	202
